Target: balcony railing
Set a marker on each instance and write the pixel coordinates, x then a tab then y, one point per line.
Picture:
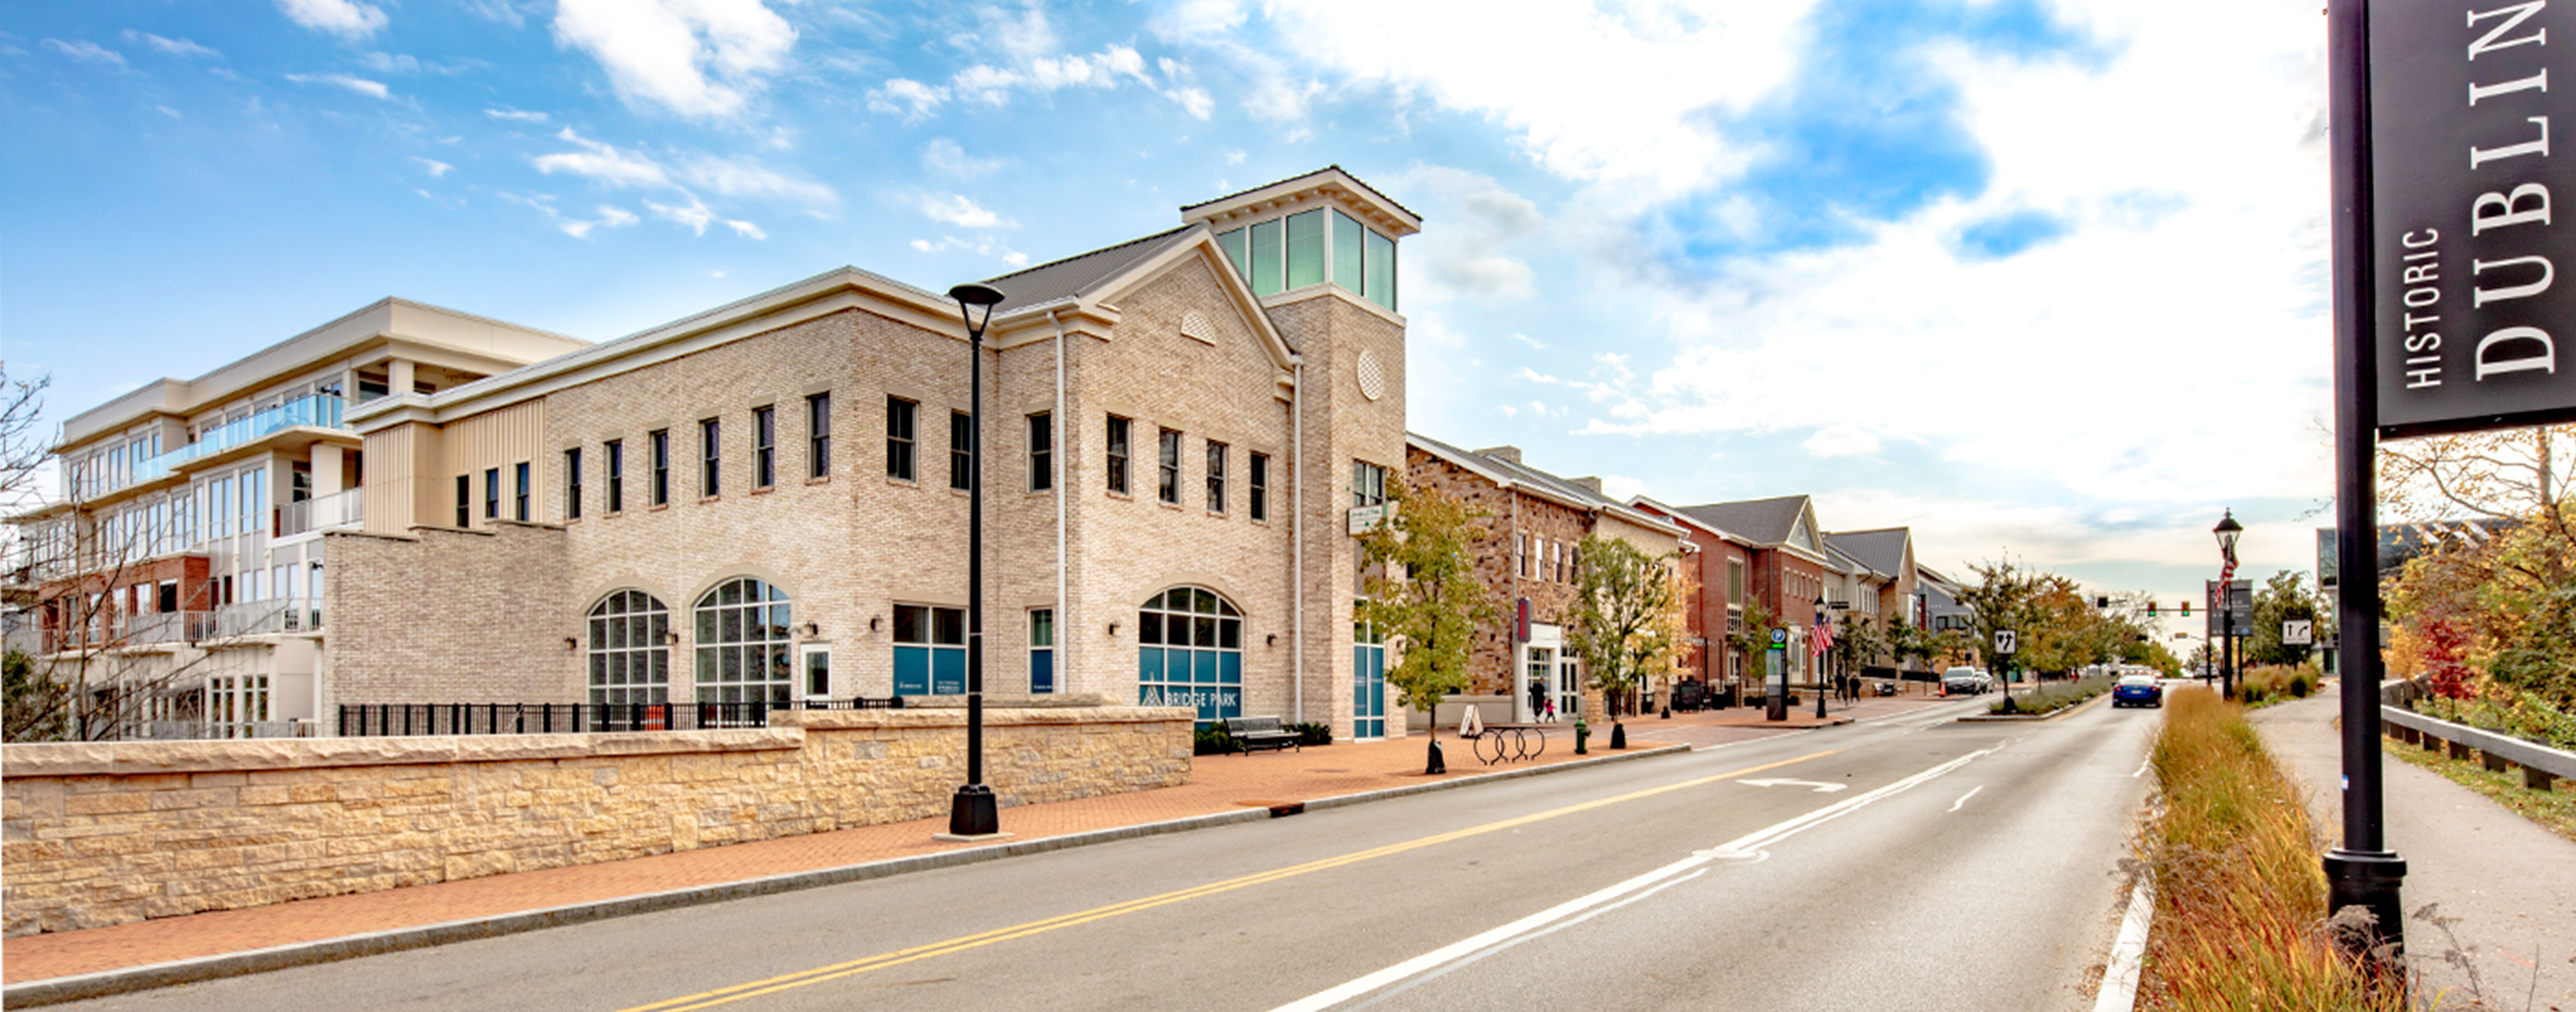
339	509
318	411
164	627
254	618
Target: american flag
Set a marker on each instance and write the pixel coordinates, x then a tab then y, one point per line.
1823	639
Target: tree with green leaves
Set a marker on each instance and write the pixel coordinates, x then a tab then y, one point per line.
2006	596
2282	598
1620	599
1424	594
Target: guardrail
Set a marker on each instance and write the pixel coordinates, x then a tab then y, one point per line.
372	720
339	509
2540	763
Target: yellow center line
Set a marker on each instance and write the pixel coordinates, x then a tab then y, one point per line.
817	975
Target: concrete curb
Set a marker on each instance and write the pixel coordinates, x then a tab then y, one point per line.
2024	718
235	964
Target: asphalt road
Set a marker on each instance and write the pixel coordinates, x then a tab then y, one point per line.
1912	863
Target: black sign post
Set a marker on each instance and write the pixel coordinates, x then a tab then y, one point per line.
2445	246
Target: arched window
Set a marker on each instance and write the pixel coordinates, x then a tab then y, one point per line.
743	644
628	663
1190	652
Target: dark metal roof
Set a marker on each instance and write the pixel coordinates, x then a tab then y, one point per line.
1524	475
1766	521
1078	274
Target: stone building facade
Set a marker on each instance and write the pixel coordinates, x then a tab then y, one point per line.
756	504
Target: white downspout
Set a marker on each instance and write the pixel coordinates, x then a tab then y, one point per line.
1063	606
1297	528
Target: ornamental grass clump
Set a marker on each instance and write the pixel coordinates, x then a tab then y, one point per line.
2240	894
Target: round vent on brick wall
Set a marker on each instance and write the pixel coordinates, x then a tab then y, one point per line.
1372	376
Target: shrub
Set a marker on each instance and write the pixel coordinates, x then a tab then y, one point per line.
2054	696
2525	715
1209	740
1313	734
2238	889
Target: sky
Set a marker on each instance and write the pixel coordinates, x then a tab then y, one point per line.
2044	279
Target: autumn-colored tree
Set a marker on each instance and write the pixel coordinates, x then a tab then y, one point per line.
1425	594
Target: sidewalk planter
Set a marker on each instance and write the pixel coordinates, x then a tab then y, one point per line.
105	833
2540	763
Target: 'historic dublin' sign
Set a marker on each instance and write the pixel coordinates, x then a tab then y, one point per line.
2466	186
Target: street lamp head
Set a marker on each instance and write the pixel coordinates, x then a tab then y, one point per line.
976	303
2227	531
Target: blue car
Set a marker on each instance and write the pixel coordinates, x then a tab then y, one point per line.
2138	690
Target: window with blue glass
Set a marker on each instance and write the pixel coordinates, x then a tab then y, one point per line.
1041	650
929	650
1189	652
1368	682
1310	248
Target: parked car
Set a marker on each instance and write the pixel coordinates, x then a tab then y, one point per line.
2138	690
1887	688
1964	682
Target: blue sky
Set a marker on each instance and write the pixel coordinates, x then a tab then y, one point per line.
2044	277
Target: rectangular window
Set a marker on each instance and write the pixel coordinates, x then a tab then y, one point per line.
616	449
899	418
1348	236
464	500
1168	483
1306	249
1381	271
254	500
1265	258
1233	245
818	436
1041	651
818	673
1735	581
1260	486
1041	452
572	484
710	457
1520	555
1216	476
219	507
929	650
1117	468
764	447
491	493
661	463
519	492
961	448
1368	484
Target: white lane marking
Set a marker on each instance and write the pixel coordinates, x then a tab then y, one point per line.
2119	992
1390	993
1821	788
1743	847
1963	799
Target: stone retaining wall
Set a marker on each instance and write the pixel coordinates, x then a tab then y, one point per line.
105	833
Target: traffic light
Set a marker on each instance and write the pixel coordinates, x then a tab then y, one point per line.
2101	601
2186	609
2151	609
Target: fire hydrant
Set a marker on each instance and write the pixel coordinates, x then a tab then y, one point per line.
1581	733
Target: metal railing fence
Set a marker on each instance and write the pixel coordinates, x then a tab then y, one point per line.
372	720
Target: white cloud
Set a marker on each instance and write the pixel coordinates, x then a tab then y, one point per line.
170	112
746	230
1235	157
371	89
606	163
87	51
435	168
910	99
944	156
704	59
1841	441
616	217
1194	101
344	18
695	215
1533	342
745	177
956	209
515	115
174	47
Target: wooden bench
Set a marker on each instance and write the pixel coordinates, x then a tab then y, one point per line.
1248	733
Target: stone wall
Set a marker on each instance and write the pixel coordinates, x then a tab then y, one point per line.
99	834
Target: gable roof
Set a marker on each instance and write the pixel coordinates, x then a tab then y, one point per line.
1765	521
1080	274
1882	550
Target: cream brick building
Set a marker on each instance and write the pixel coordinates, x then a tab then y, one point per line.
757	502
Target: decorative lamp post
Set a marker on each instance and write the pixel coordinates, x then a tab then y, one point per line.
2227	530
973	814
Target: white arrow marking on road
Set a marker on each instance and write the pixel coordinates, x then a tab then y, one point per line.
1820	788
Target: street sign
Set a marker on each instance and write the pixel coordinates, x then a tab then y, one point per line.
2006	641
2461	238
2298	632
1779	639
2240	600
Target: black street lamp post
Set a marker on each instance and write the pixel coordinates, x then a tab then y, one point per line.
973	813
2227	530
1819	655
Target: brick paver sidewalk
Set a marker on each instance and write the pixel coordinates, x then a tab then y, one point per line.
1219	784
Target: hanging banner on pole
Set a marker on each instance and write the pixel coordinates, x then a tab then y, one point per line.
2471	327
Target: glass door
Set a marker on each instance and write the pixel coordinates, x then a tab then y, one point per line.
1368	683
1539	675
1569	689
